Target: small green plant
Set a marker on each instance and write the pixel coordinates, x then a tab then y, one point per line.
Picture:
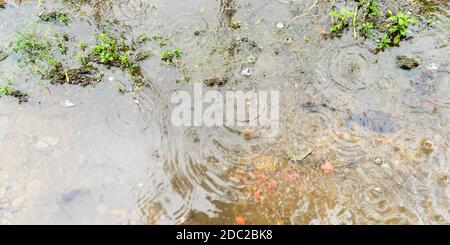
366	28
398	26
343	19
170	55
109	51
106	49
383	40
56	16
372	9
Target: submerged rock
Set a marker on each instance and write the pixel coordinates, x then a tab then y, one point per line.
73	195
215	81
378	121
407	63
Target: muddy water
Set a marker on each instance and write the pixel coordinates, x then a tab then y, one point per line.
94	156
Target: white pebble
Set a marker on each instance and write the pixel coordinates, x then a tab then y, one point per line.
280	26
432	66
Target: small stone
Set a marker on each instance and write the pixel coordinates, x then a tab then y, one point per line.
376	192
442	178
111	79
288	40
378	160
68	103
407	63
280	25
432	66
248	134
46	142
251	59
247	72
426	146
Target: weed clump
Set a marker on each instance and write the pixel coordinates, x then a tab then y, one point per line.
6	89
343	19
45	56
368	20
35	50
109	51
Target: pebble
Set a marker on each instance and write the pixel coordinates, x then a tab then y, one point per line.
426	146
288	40
46	142
280	25
442	178
68	103
248	133
378	160
251	59
247	72
376	192
432	66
